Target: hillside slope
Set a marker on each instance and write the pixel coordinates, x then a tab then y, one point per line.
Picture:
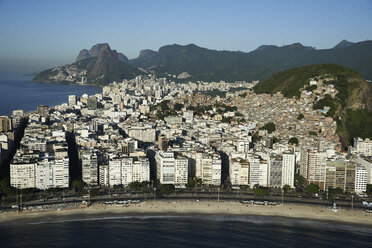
352	106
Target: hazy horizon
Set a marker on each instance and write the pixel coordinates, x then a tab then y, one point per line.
44	34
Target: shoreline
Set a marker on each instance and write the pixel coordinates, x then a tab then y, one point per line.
164	208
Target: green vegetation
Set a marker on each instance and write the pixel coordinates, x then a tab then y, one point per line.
327	101
312	189
166	189
211	65
293	141
313	133
260	191
256	137
243	95
369	189
335	191
78	185
300	116
290	82
140	186
358	123
299	181
44	75
310	87
270	127
286	188
6	188
194	182
178	106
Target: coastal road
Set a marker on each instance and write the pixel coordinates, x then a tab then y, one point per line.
207	196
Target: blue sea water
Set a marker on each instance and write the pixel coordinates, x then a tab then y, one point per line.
27	95
181	231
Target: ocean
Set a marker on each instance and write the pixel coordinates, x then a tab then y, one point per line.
27	95
181	231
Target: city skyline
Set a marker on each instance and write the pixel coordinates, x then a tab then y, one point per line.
52	34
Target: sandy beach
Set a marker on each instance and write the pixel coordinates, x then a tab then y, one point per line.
203	207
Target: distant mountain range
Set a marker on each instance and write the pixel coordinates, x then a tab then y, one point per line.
212	65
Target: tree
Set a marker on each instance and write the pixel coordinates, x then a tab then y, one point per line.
166	189
300	116
313	133
78	185
275	140
286	188
335	191
6	188
299	180
134	185
293	140
260	191
270	127
312	189
178	106
369	189
164	105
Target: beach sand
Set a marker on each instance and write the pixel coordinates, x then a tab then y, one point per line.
204	207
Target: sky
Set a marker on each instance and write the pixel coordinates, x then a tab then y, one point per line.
40	34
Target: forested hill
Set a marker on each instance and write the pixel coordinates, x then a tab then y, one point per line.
260	64
351	107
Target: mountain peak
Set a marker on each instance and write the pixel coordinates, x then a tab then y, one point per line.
95	50
343	44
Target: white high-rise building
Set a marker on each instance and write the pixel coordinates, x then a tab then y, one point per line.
362	147
257	172
288	169
198	164
72	100
234	172
165	167
48	172
61	173
104	178
115	172
123	171
239	171
216	170
145	133
44	173
313	167
141	170
181	170
127	171
89	166
206	169
360	179
171	170
22	176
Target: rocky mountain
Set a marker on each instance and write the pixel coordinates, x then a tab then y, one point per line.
260	64
351	107
212	65
343	44
103	68
95	50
